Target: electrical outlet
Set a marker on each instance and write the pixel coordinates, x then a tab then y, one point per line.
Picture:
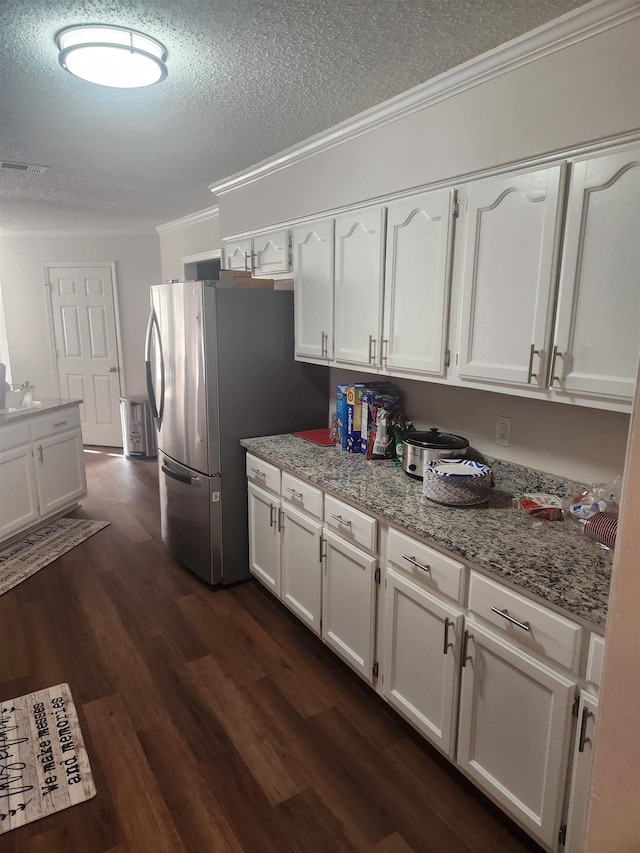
503	431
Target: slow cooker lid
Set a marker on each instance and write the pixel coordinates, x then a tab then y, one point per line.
434	438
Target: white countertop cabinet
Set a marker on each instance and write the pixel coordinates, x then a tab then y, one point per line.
42	473
486	672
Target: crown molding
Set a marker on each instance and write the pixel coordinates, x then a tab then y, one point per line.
575	26
191	219
135	231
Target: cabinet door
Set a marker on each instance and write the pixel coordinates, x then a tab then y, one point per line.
581	775
416	288
18	491
359	281
313	262
301	568
598	321
237	255
514	728
60	472
264	538
271	252
348	603
507	278
422	640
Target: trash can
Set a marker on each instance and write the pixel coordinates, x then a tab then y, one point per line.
139	439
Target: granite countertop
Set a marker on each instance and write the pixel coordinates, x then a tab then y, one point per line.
45	404
551	560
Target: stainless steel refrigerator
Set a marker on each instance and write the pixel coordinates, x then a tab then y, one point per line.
220	367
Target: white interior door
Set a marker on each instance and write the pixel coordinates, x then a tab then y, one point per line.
84	330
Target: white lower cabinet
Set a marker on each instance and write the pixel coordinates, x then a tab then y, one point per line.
487	675
264	537
421	662
581	773
60	472
301	576
18	491
348	603
514	730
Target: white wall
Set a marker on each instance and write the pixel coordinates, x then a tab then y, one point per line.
583	92
22	255
587	445
192	235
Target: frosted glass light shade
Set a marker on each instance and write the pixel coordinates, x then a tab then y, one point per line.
112	56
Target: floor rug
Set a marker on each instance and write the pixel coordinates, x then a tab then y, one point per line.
44	766
30	554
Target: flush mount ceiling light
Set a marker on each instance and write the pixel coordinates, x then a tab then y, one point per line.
112	56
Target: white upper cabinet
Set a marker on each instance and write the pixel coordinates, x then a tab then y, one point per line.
271	253
237	254
416	295
597	340
313	261
263	255
359	282
507	277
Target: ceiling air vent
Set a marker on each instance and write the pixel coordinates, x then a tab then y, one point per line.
23	167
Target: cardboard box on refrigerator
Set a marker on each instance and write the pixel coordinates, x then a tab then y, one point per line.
232	275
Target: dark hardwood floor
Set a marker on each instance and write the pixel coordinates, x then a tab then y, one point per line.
214	721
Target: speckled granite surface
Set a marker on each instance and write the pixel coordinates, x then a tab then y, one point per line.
553	560
45	405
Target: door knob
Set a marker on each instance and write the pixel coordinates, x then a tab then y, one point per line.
112	369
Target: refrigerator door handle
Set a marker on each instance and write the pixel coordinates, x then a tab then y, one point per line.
155	410
183	478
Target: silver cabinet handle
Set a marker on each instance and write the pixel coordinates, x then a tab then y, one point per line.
556	355
465	656
371	357
296	494
342	520
271	509
60	423
40	454
247	255
447	645
505	615
530	374
280	520
384	350
415	563
258	472
325	345
584	740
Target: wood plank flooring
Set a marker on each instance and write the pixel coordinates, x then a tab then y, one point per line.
214	720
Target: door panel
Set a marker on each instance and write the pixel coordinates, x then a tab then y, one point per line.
300	569
84	329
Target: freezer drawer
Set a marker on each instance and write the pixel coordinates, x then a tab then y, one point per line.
190	508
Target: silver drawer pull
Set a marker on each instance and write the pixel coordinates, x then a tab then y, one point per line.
60	423
342	520
524	625
415	563
258	472
296	494
584	740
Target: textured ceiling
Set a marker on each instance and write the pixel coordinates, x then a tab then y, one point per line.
247	79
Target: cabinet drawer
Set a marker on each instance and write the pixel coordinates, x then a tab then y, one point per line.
540	629
423	563
13	435
350	523
595	660
263	473
302	495
50	423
